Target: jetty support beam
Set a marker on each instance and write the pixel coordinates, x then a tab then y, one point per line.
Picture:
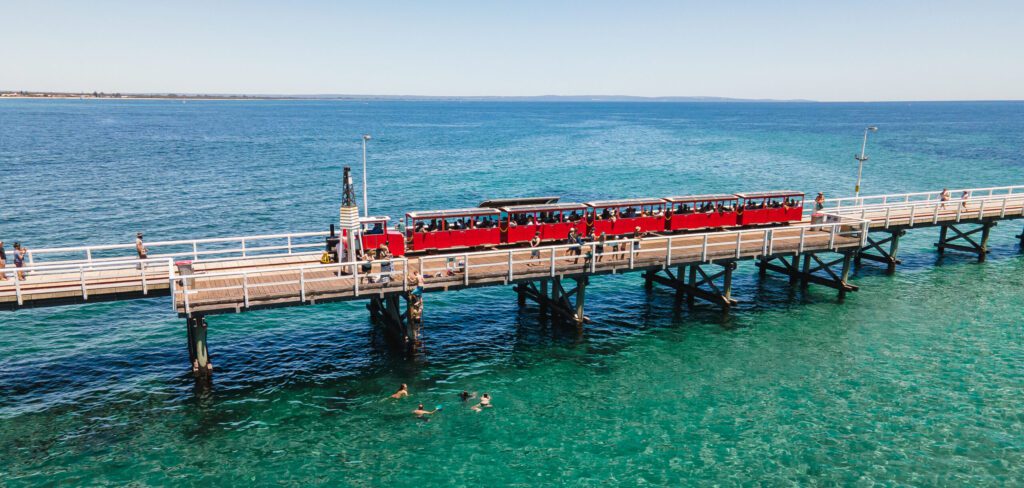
568	306
402	326
815	270
967	242
875	250
695	281
198	354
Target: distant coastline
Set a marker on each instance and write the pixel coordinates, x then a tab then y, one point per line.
218	96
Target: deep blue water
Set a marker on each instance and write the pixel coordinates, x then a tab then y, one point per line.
916	379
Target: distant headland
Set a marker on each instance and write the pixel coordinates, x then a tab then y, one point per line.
228	96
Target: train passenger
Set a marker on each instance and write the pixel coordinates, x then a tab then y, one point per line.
601	241
606	214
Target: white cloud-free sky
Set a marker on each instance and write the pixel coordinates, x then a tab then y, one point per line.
822	50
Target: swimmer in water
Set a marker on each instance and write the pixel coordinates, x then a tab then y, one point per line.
420	413
467	396
403	391
485	402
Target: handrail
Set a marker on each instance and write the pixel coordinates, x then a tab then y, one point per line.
193	247
835	203
506	267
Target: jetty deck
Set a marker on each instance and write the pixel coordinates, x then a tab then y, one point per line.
286	272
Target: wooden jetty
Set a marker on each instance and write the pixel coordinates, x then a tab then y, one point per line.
233	275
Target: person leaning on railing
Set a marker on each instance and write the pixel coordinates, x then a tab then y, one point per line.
3	261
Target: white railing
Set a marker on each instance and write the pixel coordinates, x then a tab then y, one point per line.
83	277
928	196
932	211
211	249
506	265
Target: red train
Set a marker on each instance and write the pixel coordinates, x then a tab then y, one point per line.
515	224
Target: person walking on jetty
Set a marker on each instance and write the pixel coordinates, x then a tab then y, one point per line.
19	260
819	202
3	261
944	197
963	198
534	252
140	248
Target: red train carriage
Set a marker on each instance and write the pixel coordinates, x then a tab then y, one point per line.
771	207
552	221
702	211
374	232
447	229
622	217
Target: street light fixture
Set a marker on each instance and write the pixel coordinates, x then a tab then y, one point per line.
863	157
366	206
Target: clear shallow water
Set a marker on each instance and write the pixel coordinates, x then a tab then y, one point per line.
916	379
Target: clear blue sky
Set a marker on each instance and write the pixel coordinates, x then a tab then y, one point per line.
867	50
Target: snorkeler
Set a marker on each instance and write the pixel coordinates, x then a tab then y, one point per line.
467	396
485	402
421	413
403	391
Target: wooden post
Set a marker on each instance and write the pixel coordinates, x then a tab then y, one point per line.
983	245
198	353
680	291
794	277
727	284
807	270
543	292
522	295
894	248
581	295
844	275
648	281
942	239
690	298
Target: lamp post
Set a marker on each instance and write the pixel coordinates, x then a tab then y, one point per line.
366	206
863	157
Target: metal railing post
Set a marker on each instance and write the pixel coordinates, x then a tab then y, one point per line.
170	282
85	290
832	237
465	269
145	289
803	235
405	274
770	242
739	244
913	208
302	285
888	213
981	209
17	288
195	251
245	289
510	265
355	279
632	244
88	255
1002	211
289	244
553	251
704	249
668	253
243	247
959	207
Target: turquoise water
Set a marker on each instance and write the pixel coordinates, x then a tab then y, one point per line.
916	379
